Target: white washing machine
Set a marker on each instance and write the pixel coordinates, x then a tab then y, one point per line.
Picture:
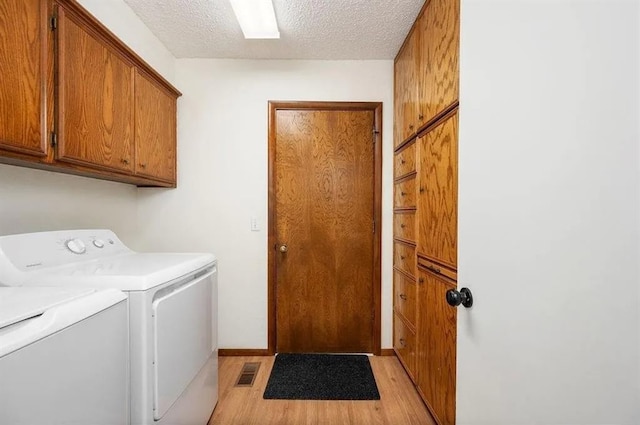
63	356
172	300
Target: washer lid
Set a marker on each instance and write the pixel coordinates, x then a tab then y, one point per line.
30	314
126	272
18	304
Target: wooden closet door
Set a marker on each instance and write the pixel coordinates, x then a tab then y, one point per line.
95	98
438	58
23	72
406	93
438	193
155	130
437	346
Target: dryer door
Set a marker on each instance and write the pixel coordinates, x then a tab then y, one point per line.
182	321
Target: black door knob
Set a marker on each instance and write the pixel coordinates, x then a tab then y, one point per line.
464	297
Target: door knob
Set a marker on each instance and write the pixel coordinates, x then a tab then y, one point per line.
464	297
283	248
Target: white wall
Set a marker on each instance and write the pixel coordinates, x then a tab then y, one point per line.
222	175
34	200
549	212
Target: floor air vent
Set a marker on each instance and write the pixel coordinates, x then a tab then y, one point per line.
248	375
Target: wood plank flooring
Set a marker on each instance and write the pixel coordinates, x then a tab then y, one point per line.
399	402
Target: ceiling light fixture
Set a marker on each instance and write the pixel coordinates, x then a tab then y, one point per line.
257	18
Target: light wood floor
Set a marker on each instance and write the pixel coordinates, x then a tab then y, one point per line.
399	402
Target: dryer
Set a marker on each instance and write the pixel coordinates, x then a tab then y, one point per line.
172	302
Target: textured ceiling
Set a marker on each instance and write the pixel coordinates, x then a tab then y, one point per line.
309	29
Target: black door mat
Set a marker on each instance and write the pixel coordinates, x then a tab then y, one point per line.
321	377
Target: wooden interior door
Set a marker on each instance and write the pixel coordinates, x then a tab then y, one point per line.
24	73
323	237
95	98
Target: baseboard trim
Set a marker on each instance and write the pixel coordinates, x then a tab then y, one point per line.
387	352
235	352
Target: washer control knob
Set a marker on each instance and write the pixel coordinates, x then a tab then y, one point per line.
98	243
76	246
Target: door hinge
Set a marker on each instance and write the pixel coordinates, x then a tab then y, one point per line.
374	226
54	139
53	22
375	132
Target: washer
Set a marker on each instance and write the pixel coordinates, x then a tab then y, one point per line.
63	356
172	300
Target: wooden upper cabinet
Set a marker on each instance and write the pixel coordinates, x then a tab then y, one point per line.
438	76
95	98
155	130
437	202
25	70
436	346
406	93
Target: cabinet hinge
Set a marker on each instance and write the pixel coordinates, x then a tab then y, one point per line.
374	226
54	23
54	139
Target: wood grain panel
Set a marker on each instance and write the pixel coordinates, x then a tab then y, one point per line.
404	225
324	181
438	193
405	160
155	130
399	80
404	342
436	347
399	402
404	193
95	99
404	257
404	300
405	91
23	72
438	85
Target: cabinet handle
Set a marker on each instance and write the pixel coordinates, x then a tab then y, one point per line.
402	161
403	297
143	165
411	127
421	280
124	161
402	226
420	117
402	257
434	269
402	193
422	190
403	342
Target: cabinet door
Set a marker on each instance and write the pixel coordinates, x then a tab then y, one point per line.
24	69
438	57
436	346
438	193
406	91
95	98
155	130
